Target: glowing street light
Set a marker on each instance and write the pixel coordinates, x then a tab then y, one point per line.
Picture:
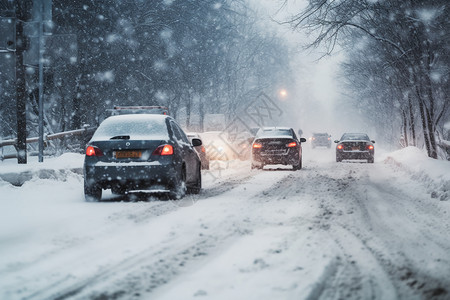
283	93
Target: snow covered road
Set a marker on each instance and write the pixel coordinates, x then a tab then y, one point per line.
329	231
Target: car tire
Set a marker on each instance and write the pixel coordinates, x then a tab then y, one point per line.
198	184
178	189
371	160
338	159
258	167
92	192
118	191
297	166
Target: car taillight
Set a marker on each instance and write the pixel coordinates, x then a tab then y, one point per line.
340	147
93	151
203	149
291	144
163	150
370	147
257	145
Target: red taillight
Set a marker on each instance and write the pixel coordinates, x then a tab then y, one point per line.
203	149
257	145
93	151
340	147
370	147
163	150
291	144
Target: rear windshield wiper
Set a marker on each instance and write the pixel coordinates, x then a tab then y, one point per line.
120	137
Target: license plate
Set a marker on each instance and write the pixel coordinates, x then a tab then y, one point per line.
128	154
355	148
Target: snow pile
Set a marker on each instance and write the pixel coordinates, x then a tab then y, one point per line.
57	168
434	173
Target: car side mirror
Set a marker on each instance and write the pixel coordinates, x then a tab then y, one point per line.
336	141
302	140
196	142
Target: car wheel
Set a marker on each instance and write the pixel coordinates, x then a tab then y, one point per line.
371	160
298	166
118	190
338	159
258	167
92	192
198	185
178	189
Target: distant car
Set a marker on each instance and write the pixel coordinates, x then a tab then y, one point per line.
277	145
321	140
242	144
201	150
141	152
218	145
355	146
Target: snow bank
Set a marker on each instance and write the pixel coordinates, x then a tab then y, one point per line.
415	162
51	168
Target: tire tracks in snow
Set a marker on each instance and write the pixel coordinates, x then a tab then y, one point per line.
154	266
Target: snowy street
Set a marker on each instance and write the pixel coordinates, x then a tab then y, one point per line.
329	231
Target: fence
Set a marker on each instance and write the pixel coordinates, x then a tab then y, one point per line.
85	133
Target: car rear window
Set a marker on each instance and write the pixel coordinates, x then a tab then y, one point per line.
355	137
275	132
135	126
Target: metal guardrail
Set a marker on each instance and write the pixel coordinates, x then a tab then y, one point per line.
13	142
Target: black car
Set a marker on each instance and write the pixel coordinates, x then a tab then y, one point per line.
321	140
355	146
277	145
141	152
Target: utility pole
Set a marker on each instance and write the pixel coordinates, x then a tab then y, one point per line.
22	43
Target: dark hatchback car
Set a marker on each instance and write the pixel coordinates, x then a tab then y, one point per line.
277	145
321	140
141	152
355	146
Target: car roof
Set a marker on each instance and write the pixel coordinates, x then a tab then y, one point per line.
132	117
276	128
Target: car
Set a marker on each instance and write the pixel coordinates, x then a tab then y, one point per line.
242	144
201	150
355	146
277	145
321	140
141	152
218	145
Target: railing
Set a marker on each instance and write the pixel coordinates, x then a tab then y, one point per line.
87	131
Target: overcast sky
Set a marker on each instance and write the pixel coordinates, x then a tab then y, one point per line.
317	83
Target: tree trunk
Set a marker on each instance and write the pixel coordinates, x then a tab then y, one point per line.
405	128
412	124
424	121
